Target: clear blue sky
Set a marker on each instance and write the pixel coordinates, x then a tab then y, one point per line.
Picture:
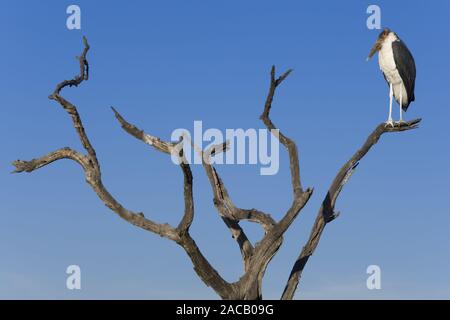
164	65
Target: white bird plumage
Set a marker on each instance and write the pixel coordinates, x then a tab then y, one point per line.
398	67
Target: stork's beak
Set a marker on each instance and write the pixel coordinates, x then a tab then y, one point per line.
376	47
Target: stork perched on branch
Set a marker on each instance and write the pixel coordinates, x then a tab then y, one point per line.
399	69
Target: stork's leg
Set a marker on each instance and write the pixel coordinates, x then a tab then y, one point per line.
389	121
401	108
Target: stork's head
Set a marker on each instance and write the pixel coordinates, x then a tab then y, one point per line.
379	43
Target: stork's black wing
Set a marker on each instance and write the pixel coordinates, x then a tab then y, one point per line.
406	67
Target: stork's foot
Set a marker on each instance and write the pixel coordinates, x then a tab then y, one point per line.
401	122
390	123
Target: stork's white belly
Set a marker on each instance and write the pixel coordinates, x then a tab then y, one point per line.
387	65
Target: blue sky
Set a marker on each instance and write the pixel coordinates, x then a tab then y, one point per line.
164	65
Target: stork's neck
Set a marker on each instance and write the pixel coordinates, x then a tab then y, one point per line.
389	39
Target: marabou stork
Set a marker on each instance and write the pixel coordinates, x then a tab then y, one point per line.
399	69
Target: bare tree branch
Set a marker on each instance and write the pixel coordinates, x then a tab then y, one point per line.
254	215
300	197
70	108
188	217
91	168
223	199
223	202
251	282
168	148
326	212
227	211
89	162
205	271
230	214
201	265
64	153
158	144
288	143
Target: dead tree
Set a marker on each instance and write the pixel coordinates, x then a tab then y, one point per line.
256	257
